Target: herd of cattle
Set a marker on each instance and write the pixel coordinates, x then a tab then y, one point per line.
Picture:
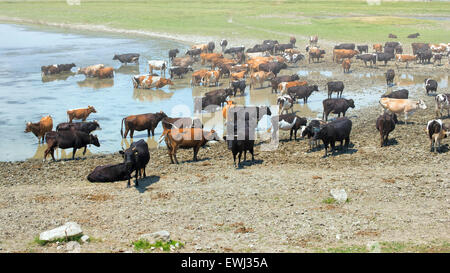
261	63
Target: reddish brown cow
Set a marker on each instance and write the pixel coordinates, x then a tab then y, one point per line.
346	65
40	128
141	122
81	113
103	73
149	81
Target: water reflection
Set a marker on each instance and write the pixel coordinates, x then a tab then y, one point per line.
151	95
57	77
152	142
59	153
128	69
96	83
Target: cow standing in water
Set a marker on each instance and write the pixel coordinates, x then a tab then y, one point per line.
69	139
141	122
40	128
81	113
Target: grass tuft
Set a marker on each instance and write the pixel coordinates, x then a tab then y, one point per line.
143	244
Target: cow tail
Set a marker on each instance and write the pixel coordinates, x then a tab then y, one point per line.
121	127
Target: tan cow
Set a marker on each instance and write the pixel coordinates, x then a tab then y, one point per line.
40	128
346	65
103	73
211	77
148	81
90	71
81	113
378	47
404	58
340	54
406	106
284	86
209	57
197	76
260	77
202	47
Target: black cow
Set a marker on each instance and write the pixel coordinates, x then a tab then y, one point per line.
56	68
211	46
392	44
310	131
302	92
234	50
419	46
240	140
412	36
371	58
69	139
337	130
212	101
363	48
173	53
385	125
289	118
390	75
261	48
436	127
194	52
86	127
389	49
345	46
399	94
385	57
136	157
437	57
424	55
220	92
240	84
336	106
110	173
399	49
335	86
431	85
223	44
283	47
274	67
277	80
179	71
127	58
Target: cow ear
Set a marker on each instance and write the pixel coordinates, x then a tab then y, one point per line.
121	152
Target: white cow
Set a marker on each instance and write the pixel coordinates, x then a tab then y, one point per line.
285	103
157	65
442	102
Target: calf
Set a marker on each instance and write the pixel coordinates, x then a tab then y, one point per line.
187	138
430	86
179	71
289	122
371	58
136	158
310	131
81	113
240	84
302	92
40	128
390	75
315	54
336	106
141	122
337	130
385	125
285	103
377	47
363	48
405	106
335	86
110	173
399	94
56	69
87	127
436	132
127	58
346	65
173	53
69	139
437	57
442	102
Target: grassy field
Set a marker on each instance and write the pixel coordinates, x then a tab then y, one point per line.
345	20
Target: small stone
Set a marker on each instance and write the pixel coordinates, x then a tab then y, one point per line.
73	247
161	235
338	236
339	195
84	238
69	229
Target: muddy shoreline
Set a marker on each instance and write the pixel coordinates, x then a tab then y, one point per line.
397	193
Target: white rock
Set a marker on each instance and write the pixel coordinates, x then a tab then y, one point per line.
67	230
373	247
73	247
59	247
84	238
339	195
161	235
338	237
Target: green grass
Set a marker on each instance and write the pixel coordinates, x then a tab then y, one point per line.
329	200
67	239
394	247
143	244
344	20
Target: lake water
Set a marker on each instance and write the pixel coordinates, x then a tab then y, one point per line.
26	96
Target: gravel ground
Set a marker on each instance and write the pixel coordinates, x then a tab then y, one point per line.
398	193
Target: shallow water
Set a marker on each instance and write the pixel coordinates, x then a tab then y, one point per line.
26	96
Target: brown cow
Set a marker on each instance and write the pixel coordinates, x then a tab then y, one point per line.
284	86
211	77
404	58
140	123
150	81
260	77
238	76
340	54
378	47
346	65
209	57
81	113
90	70
197	76
103	73
40	128
187	138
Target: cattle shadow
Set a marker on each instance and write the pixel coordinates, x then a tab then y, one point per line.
444	149
146	182
391	142
249	163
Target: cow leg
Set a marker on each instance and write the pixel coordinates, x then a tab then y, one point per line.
131	133
234	159
347	142
174	153
245	155
84	152
239	158
73	153
253	156
196	148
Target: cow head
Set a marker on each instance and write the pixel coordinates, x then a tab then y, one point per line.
421	104
97	125
115	57
94	140
91	109
28	127
129	156
351	103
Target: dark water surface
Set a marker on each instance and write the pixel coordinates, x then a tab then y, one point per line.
26	96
